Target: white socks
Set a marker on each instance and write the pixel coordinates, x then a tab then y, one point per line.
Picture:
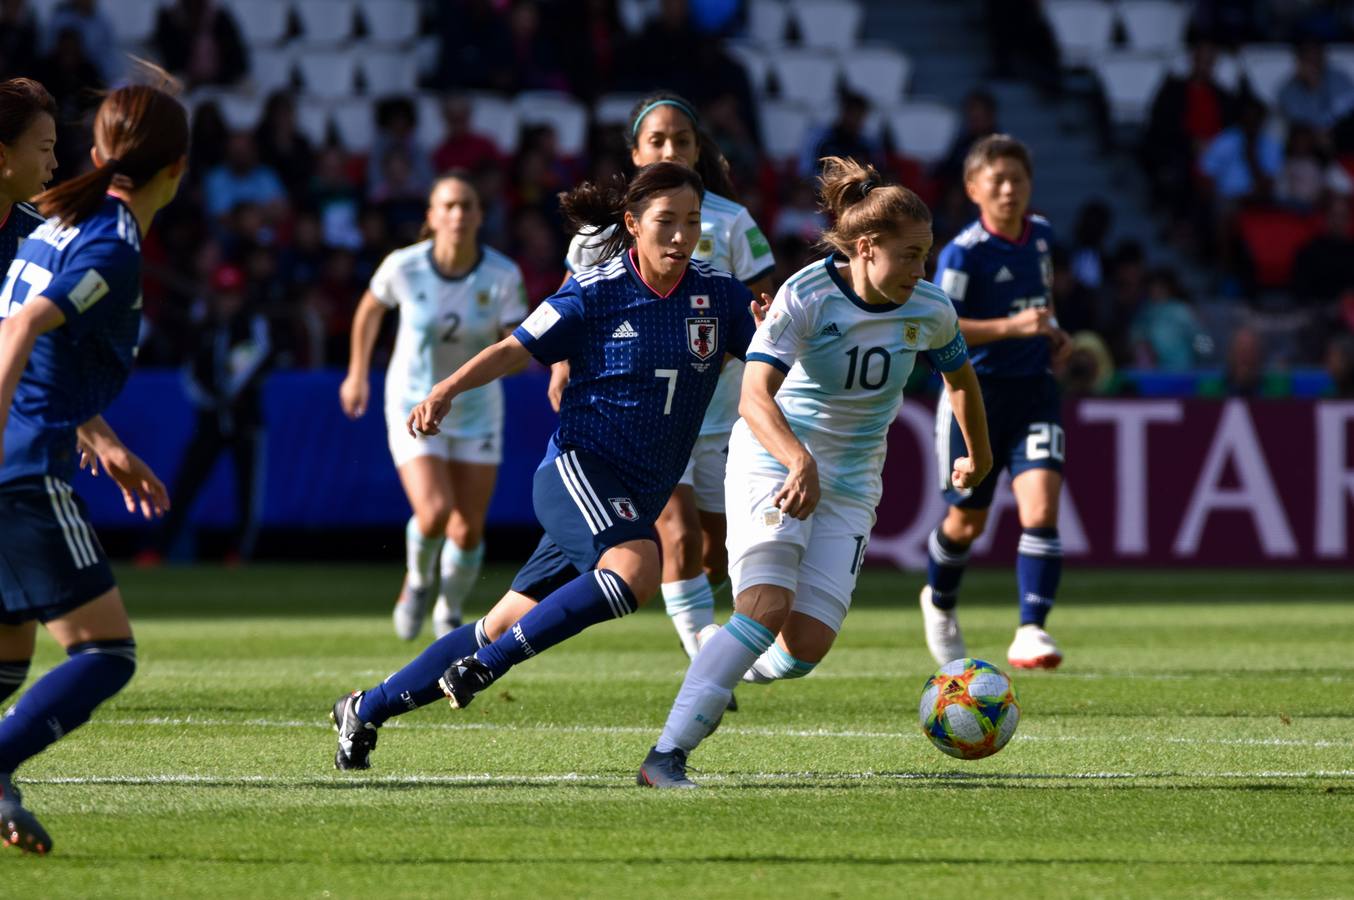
710	680
776	664
460	571
420	554
691	606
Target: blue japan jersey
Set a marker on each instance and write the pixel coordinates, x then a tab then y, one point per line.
642	367
92	271
987	277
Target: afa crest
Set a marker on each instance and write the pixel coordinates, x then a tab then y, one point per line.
911	331
482	298
702	336
624	508
705	247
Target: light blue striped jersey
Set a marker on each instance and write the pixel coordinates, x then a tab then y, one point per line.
845	363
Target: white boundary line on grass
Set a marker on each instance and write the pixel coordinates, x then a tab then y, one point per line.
754	732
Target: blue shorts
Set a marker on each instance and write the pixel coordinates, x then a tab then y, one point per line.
50	560
1024	425
585	510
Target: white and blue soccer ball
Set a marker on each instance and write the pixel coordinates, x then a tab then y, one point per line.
969	709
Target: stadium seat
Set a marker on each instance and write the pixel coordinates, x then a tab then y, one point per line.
753	59
328	73
326	22
1267	67
806	76
1273	238
242	110
1341	56
134	22
496	119
614	109
1154	26
878	73
270	69
1083	29
312	120
354	124
783	127
390	22
388	72
828	24
1226	71
261	22
634	13
1130	82
560	111
923	130
766	21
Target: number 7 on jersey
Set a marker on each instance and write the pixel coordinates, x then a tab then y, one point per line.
671	376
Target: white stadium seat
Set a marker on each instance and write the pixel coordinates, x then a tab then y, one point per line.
312	120
783	127
1154	25
766	21
388	71
327	73
242	110
1267	67
134	22
560	111
270	69
1130	82
614	109
1226	72
354	123
753	59
1083	28
828	24
261	22
1341	56
806	76
923	130
325	21
391	21
878	73
634	14
496	119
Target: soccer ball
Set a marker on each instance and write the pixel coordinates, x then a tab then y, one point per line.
969	709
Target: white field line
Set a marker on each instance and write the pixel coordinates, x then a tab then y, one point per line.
754	732
579	778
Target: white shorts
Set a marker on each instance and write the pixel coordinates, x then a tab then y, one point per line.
705	471
830	546
485	448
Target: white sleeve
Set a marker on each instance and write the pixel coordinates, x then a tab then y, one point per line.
749	251
513	301
780	338
386	282
585	249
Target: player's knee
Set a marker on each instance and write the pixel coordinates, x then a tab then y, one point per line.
465	534
767	604
118	659
432	516
965	527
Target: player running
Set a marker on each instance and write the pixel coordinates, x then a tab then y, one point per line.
645	333
455	298
823	382
665	128
998	272
72	307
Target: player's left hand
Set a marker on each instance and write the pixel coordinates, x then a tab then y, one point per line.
758	308
428	415
141	489
968	472
1059	345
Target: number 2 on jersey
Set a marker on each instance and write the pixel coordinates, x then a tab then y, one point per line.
671	376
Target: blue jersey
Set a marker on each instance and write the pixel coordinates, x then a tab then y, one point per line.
987	277
20	222
92	271
642	367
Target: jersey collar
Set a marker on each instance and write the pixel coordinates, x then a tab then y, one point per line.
1019	242
845	287
452	279
632	267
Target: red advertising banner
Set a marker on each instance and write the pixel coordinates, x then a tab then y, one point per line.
1166	482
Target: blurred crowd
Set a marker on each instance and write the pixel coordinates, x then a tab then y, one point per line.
299	227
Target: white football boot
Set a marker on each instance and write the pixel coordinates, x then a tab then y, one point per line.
943	637
410	610
445	619
1033	648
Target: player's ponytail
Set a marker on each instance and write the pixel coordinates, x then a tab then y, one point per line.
593	207
138	130
711	165
861	204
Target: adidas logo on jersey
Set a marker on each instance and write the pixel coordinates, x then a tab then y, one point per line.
830	330
625	330
1004	274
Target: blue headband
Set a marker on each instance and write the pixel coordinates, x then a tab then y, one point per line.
686	110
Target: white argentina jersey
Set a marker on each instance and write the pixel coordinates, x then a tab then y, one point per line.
443	323
731	242
846	362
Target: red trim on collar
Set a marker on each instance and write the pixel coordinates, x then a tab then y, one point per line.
1024	233
634	264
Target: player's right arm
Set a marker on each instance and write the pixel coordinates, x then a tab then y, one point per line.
18	334
141	487
355	391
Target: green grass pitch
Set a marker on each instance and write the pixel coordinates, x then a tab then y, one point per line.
1198	742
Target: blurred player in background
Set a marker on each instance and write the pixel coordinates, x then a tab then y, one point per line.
456	297
999	272
824	380
665	128
72	303
645	333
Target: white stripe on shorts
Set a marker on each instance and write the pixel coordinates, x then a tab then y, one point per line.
585	492
75	542
566	477
79	527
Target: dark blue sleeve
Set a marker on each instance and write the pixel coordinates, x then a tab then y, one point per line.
953	274
555	331
742	325
102	280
